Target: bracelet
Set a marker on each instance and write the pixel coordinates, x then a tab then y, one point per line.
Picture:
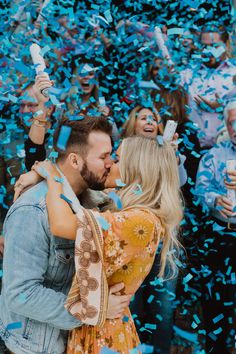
41	123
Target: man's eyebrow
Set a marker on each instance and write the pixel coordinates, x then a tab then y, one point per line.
105	153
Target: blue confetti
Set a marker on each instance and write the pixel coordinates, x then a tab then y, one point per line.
106	350
53	155
32	150
191	337
119	183
12	98
218	318
44	50
108	16
58	179
63	137
218	330
62	196
150	326
103	223
116	199
196	319
138	189
14	325
160	140
149	300
187	278
125	319
178	31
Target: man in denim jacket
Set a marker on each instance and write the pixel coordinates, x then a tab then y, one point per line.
38	267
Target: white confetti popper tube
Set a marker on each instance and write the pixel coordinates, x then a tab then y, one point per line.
161	44
39	63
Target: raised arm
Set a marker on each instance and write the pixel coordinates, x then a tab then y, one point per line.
40	123
34	145
62	221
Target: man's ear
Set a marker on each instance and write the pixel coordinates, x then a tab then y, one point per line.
75	160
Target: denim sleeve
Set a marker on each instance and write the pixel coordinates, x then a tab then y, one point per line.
25	263
205	182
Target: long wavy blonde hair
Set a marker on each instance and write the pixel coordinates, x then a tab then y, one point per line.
153	168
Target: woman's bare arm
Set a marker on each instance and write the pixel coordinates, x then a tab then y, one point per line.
62	221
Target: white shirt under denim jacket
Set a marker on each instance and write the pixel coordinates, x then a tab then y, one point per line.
37	273
210	178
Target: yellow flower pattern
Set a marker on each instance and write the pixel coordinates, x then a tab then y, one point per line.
139	230
129	249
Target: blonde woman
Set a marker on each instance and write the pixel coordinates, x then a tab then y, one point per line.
143	121
117	245
140	122
146	122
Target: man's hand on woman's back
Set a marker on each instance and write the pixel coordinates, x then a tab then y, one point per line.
117	303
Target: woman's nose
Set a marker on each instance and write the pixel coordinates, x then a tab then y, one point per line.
149	120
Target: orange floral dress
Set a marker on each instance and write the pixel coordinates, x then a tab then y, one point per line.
129	244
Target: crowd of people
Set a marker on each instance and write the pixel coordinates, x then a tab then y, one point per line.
114	237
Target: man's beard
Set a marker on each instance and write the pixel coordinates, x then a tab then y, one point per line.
92	180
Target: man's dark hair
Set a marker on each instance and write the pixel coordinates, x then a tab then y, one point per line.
80	130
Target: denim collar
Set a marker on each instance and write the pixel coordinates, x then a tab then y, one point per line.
69	193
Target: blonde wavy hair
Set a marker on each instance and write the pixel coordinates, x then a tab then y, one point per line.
129	125
145	162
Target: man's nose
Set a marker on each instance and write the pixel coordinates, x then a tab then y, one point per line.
109	162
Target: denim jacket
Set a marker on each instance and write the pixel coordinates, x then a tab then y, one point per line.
37	274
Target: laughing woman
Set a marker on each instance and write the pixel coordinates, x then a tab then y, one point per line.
117	245
143	121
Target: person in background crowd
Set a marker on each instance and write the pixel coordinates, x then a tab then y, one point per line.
147	122
84	96
208	82
218	240
172	104
12	149
142	121
159	71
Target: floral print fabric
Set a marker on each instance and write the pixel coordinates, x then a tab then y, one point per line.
129	247
87	298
